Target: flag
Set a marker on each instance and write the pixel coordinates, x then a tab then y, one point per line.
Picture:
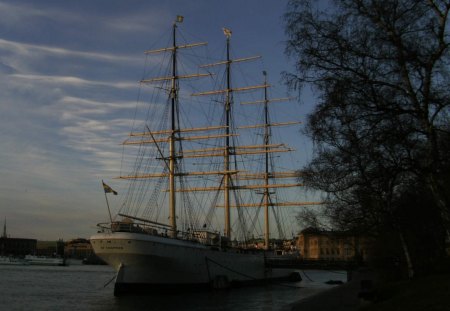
108	189
180	18
226	32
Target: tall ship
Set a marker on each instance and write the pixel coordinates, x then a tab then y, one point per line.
201	186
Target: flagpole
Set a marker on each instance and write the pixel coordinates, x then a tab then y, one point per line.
107	204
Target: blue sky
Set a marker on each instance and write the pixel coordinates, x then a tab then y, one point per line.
69	73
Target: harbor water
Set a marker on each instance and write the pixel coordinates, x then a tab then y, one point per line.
82	287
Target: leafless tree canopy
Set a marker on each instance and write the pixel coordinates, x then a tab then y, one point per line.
381	125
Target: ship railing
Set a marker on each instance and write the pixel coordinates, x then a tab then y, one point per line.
202	236
206	237
120	226
104	227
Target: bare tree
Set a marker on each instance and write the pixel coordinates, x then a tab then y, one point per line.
381	69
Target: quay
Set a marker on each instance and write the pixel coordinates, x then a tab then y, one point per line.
428	292
313	264
346	297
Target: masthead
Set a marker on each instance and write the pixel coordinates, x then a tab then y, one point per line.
226	32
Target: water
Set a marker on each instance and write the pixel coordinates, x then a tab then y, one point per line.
81	287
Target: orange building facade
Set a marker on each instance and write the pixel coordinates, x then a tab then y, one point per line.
332	245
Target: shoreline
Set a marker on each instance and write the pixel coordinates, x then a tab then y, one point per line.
340	298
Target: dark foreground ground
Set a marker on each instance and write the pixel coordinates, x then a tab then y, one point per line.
431	293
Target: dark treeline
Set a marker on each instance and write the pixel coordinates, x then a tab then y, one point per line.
381	126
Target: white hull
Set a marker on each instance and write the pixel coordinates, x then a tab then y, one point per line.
143	260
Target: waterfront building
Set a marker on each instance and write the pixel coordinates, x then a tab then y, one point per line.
15	246
78	249
332	245
50	248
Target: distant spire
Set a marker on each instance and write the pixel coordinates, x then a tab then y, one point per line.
4	230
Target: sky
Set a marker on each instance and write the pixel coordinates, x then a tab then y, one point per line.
69	73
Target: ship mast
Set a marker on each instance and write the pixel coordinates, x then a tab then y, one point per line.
174	130
173	96
175	134
268	148
228	102
266	171
229	149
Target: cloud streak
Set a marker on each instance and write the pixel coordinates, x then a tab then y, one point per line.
26	49
69	73
72	81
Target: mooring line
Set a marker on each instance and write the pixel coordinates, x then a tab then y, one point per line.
107	283
307	276
229	269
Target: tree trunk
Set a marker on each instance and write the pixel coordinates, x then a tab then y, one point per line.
409	265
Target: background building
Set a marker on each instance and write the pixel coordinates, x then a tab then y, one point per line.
50	248
16	246
78	249
332	245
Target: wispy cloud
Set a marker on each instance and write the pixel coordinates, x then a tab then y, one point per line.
68	81
67	103
73	81
128	20
81	106
27	49
18	13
